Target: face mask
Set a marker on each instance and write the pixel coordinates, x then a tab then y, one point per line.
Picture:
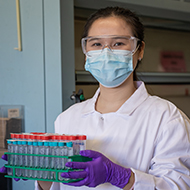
110	69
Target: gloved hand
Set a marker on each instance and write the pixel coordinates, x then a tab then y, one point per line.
99	170
4	169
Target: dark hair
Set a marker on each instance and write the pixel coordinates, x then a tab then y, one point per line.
131	18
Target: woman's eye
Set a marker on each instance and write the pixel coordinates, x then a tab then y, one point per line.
119	44
97	44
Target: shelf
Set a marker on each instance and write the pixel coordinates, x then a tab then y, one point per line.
85	78
164	78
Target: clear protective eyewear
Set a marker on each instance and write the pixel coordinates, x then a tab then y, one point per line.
113	42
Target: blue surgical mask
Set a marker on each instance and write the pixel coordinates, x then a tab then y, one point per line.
109	68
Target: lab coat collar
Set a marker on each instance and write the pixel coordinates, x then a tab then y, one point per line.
137	98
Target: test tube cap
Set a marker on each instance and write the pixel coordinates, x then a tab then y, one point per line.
69	144
29	142
23	142
46	143
12	135
40	143
72	137
15	142
9	141
54	143
35	143
17	135
60	143
82	137
19	142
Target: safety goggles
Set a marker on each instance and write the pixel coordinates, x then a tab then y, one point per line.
113	42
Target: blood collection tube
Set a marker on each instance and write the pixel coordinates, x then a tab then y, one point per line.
30	158
36	158
61	163
15	150
70	151
41	148
82	142
10	156
73	139
19	160
24	158
46	160
54	150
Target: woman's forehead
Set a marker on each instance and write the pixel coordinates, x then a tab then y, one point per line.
110	26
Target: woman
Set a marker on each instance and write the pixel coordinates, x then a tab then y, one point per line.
145	139
136	141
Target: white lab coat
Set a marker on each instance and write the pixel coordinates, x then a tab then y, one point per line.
147	134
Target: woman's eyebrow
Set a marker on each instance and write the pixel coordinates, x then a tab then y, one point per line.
113	37
121	37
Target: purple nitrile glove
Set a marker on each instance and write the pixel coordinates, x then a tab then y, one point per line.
99	170
4	169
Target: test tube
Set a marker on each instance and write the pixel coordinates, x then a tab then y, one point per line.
82	142
70	151
10	156
30	158
46	160
19	161
36	159
61	164
15	150
54	160
41	148
69	146
73	139
24	158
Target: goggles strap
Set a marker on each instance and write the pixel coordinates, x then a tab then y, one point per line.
136	49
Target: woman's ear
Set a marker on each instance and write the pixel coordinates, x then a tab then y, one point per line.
141	51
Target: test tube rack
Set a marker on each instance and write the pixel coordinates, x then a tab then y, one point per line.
75	158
